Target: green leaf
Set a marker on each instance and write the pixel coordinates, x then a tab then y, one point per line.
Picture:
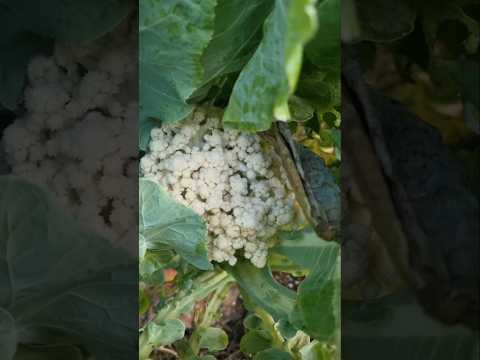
165	333
265	84
68	20
300	109
143	302
300	246
144	129
404	327
255	341
320	90
142	246
166	222
237	33
317	309
151	269
185	350
314	351
195	289
286	329
213	339
53	275
55	352
8	335
273	354
252	322
324	49
173	38
262	289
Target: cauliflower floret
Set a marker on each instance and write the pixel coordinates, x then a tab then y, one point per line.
43	70
46	98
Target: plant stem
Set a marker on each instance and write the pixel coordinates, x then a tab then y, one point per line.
270	326
214	304
210	313
168	351
204	285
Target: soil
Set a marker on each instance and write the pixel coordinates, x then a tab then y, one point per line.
288	280
231	321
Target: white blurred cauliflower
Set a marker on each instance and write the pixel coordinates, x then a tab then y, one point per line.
77	137
225	177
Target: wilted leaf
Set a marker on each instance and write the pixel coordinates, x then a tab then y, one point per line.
319	184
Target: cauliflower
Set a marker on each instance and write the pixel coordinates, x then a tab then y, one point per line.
75	138
223	176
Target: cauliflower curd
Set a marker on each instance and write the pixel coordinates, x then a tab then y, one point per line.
77	136
225	177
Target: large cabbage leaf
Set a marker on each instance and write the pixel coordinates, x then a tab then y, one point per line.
187	49
324	49
173	37
400	329
265	84
238	31
58	284
67	20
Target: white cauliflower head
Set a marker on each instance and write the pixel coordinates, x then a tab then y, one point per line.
72	139
225	177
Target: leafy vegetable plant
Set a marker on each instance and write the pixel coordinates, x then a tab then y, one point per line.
239	137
